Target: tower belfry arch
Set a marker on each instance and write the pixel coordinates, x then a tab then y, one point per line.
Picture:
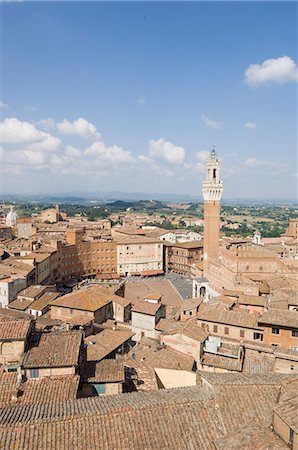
212	189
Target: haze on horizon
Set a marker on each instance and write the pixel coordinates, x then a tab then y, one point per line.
132	96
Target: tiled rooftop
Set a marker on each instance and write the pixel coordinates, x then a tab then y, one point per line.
102	344
221	379
107	371
147	308
222	362
20	304
49	389
218	314
150	352
287	411
14	329
89	298
46	299
280	318
250	437
169	419
138	290
32	291
55	349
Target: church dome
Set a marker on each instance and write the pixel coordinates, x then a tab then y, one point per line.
11	218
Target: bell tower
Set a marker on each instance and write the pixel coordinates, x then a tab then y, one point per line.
212	189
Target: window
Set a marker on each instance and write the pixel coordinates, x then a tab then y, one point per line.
275	345
226	330
258	337
190	313
34	373
275	331
99	388
215	328
294	333
242	333
291	438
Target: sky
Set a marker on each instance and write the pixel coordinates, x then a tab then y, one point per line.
131	96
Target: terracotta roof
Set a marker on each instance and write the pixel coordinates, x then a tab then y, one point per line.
144	307
170	326
222	362
55	349
189	328
90	298
102	344
14	329
8	384
46	299
121	301
136	240
150	273
20	304
10	314
250	437
153	354
32	291
279	317
193	330
189	244
190	304
108	371
50	389
245	404
252	300
241	379
287	411
137	290
218	314
138	420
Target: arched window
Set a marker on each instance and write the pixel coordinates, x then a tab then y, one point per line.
214	174
202	292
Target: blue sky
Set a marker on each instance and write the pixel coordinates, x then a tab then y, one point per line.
131	96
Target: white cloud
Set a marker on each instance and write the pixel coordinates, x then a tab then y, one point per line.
13	131
272	71
111	155
203	155
144	159
47	124
3	105
167	151
163	171
35	158
251	125
73	152
211	123
49	143
80	127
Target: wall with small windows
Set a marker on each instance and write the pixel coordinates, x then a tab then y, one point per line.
281	336
231	331
139	257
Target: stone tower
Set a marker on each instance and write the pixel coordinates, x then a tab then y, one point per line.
212	189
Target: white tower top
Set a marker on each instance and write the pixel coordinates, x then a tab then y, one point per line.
11	218
212	186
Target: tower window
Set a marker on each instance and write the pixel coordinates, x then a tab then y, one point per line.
214	174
